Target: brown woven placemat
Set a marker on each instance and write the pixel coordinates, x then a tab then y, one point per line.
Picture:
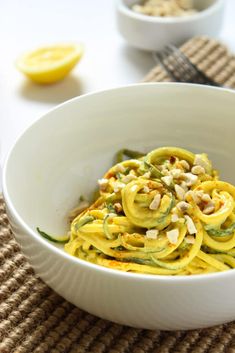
34	319
210	56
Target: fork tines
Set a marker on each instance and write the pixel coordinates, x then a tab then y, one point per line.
180	68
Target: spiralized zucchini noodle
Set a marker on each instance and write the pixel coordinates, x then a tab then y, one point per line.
163	213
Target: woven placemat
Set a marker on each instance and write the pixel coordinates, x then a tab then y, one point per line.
34	319
210	56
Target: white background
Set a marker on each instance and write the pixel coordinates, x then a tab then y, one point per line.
108	60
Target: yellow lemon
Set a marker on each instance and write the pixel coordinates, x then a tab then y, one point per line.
50	64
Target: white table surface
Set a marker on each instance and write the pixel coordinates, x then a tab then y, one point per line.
108	60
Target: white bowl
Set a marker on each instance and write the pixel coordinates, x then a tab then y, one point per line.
153	33
64	153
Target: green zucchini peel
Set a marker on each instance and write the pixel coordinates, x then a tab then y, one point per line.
50	237
218	232
120	156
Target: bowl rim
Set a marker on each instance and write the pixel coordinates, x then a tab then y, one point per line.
125	10
85	264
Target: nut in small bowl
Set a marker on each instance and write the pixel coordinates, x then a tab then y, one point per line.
149	30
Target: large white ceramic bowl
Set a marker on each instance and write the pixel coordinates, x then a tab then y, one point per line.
64	153
153	33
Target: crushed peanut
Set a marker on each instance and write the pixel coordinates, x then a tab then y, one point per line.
190	179
206	198
134	188
184	186
118	207
190	225
117	186
209	208
199	193
197	170
155	203
199	160
180	192
174	218
184	164
167	179
183	206
103	183
120	168
152	234
165	8
195	195
176	173
127	178
173	235
146	189
146	175
165	172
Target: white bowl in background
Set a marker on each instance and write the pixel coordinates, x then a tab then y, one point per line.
153	33
64	153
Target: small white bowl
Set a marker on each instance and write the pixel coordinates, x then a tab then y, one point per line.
153	33
62	155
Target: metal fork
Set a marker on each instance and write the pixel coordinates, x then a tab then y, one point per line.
180	68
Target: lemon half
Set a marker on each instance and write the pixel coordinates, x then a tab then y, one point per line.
50	64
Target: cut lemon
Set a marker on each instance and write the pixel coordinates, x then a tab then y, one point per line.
50	64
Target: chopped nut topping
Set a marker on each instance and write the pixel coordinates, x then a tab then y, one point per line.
189	239
209	208
152	234
103	183
199	160
117	186
146	189
197	170
180	192
176	173
118	207
167	179
199	193
206	198
134	188
128	178
183	206
190	225
184	186
195	195
164	8
190	179
156	202
173	235
165	171
120	168
146	175
174	218
185	164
